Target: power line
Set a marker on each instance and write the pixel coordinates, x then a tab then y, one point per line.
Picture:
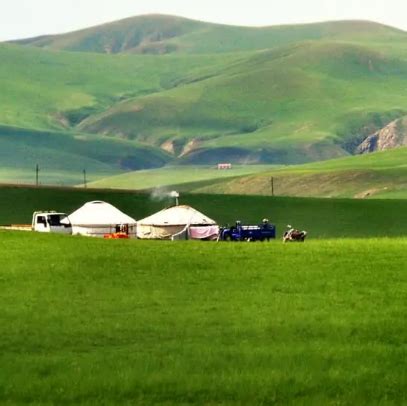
37	170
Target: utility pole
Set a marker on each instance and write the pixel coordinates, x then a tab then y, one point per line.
272	185
37	170
84	179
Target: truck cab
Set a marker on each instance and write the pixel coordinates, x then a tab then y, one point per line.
51	222
239	232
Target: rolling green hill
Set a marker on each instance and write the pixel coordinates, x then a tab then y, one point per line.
274	95
379	175
45	94
174	176
43	89
161	34
62	156
288	105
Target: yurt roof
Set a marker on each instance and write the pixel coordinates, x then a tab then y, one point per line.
99	213
177	215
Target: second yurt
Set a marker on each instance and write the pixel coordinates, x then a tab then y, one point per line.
177	222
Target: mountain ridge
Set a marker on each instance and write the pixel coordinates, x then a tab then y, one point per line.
164	16
162	34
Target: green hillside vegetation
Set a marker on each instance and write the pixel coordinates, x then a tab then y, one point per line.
275	95
174	176
44	89
62	156
379	175
285	106
322	218
45	94
161	34
87	321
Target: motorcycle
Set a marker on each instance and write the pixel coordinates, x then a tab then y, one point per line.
294	235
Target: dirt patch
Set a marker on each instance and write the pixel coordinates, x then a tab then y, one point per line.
61	119
368	193
168	146
135	108
190	146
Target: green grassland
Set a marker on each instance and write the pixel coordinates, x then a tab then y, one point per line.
379	175
174	176
62	156
322	218
88	321
286	94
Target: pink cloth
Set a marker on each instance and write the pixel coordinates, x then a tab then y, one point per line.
201	232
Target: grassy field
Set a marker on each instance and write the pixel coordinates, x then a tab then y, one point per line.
377	175
322	218
174	176
87	321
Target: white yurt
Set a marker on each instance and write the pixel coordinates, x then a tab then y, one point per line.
98	218
178	222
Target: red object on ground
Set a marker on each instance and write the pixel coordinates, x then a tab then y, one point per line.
115	236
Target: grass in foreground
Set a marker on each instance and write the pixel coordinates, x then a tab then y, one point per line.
87	321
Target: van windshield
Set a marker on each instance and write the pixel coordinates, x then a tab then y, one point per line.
55	219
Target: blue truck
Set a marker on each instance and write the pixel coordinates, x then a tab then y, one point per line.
262	232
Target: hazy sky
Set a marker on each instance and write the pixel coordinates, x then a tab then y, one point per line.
26	18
